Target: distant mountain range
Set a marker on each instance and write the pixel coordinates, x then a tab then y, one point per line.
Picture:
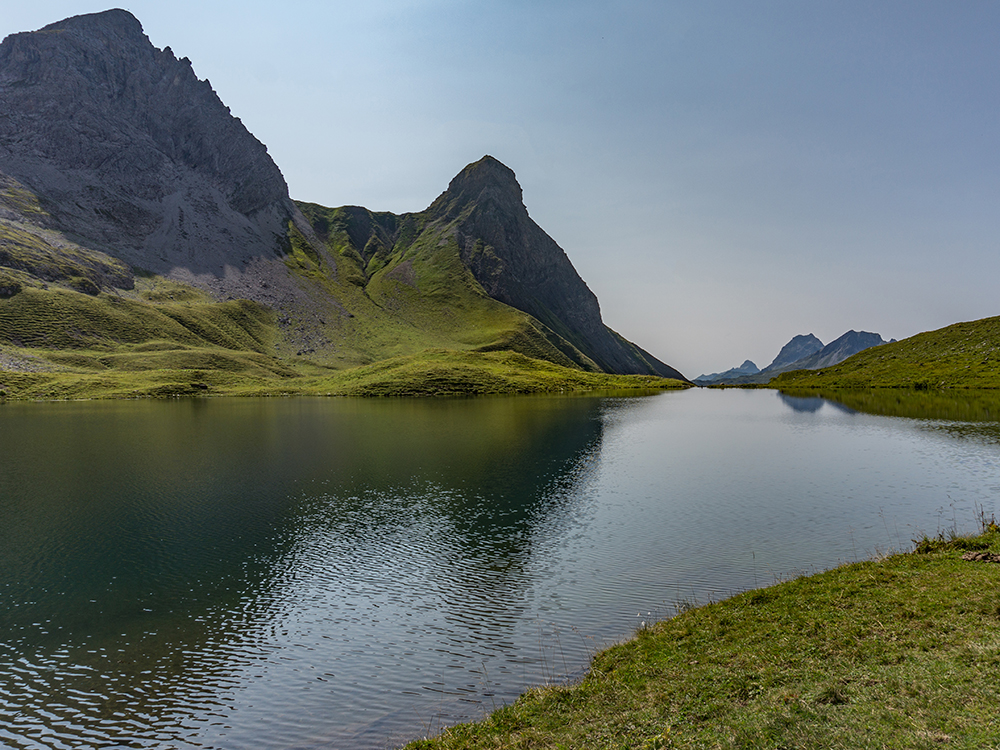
803	352
747	368
125	182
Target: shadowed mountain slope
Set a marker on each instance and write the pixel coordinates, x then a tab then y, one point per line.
799	347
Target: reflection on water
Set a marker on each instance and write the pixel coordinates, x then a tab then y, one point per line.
965	405
810	403
157	556
334	573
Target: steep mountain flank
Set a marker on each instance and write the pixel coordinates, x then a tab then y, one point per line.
122	146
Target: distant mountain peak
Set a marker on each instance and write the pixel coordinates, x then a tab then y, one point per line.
747	368
800	346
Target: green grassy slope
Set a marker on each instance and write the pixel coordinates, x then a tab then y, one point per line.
417	327
171	371
402	280
964	355
901	652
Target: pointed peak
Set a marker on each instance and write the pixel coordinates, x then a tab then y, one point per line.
487	174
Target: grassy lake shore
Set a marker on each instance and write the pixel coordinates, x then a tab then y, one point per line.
202	372
902	651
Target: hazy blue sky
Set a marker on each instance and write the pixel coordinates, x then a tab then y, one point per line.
723	175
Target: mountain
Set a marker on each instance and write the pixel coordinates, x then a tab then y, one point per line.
137	213
747	368
964	355
480	227
803	352
798	348
126	149
838	350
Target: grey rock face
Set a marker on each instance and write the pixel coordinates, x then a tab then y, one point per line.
126	148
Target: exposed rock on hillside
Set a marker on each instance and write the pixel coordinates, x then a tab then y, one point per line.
517	263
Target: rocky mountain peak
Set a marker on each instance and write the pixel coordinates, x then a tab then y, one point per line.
486	177
486	185
800	346
108	23
124	146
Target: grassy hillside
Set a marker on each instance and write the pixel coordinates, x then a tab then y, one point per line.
964	355
388	294
384	338
901	652
402	284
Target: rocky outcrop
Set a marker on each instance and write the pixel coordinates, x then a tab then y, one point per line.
124	147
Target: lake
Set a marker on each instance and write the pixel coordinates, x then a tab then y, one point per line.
329	573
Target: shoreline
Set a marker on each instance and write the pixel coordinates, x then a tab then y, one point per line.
901	651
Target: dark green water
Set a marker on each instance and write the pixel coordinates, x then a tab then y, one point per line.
331	573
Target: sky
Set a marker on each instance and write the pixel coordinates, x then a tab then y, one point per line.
724	175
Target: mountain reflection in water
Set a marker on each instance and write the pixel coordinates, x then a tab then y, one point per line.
165	549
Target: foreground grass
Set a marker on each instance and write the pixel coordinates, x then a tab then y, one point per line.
900	652
203	371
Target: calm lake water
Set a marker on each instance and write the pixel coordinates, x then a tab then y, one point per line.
325	573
